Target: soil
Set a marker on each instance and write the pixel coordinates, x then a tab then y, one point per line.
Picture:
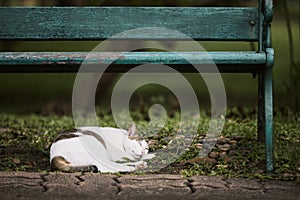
22	159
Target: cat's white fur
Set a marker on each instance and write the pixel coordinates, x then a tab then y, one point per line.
119	153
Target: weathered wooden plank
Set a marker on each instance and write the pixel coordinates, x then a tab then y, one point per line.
97	23
71	61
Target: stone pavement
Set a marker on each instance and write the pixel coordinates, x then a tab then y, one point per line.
26	185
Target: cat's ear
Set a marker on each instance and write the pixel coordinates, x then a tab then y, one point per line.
132	131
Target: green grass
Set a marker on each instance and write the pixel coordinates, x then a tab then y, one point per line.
25	141
250	154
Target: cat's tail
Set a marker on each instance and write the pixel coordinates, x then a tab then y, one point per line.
61	164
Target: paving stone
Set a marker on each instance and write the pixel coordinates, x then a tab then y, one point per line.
62	186
226	194
281	185
24	185
153	187
144	181
208	181
244	183
31	175
280	195
70	185
61	178
282	189
100	185
27	179
20	185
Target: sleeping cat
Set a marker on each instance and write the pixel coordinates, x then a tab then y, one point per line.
102	149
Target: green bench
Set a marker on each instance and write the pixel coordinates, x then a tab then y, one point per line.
250	24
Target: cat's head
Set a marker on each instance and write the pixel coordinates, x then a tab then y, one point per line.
134	145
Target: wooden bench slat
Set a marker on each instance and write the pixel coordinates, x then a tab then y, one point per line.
71	61
97	23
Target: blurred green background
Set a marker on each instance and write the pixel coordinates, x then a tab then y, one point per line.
52	93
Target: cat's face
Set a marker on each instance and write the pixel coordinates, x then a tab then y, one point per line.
135	146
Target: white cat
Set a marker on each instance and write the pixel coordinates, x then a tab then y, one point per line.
102	149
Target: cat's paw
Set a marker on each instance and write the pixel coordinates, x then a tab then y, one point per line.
141	165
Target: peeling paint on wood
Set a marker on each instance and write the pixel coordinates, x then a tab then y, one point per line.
96	23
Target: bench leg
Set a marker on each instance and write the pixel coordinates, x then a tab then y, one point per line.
261	109
265	115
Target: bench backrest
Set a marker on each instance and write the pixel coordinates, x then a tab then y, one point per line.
98	23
